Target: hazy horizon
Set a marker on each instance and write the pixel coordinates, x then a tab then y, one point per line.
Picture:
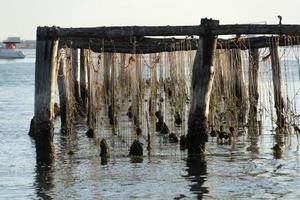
20	18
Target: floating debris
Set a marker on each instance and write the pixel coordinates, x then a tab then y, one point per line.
136	148
104	149
178	119
182	143
56	110
213	133
129	112
173	138
31	132
90	133
138	131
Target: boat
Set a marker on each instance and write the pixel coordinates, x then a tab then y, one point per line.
9	51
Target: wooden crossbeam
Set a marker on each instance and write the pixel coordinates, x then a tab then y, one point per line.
142	45
155	45
141	31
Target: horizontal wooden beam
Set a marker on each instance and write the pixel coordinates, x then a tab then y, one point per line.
143	45
156	45
257	42
141	31
264	29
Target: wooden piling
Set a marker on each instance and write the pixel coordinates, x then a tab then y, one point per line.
128	74
45	86
107	76
181	96
202	80
138	106
113	93
173	76
153	77
276	74
253	73
161	69
239	84
123	78
91	115
76	78
65	93
136	64
83	79
253	93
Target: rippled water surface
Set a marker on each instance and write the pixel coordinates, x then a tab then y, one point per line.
246	169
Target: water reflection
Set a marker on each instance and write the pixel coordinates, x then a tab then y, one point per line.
254	131
44	181
279	143
68	147
136	159
197	171
104	160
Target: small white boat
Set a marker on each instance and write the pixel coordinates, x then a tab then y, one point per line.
9	51
10	54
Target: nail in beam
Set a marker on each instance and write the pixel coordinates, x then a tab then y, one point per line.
45	86
202	80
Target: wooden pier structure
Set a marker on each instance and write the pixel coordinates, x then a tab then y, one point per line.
58	62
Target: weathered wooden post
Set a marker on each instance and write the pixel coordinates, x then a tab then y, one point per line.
113	93
137	108
161	69
276	73
123	76
83	79
240	91
202	80
76	78
153	90
107	76
253	86
91	116
181	99
45	86
135	76
65	94
173	75
253	75
128	74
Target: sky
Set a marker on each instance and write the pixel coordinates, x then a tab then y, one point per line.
21	17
